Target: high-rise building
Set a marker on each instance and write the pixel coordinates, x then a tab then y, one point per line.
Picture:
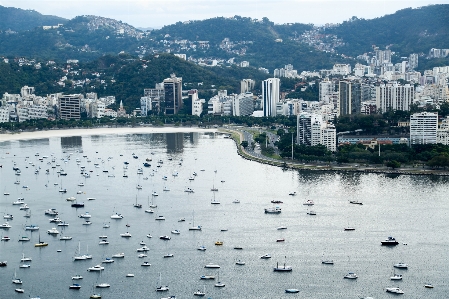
247	85
350	97
412	61
243	104
423	128
70	106
304	127
443	132
312	130
393	96
270	96
326	90
173	94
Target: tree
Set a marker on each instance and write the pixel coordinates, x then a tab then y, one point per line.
244	144
393	164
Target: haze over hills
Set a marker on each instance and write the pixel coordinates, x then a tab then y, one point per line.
228	40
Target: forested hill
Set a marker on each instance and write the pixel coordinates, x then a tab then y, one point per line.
407	31
17	19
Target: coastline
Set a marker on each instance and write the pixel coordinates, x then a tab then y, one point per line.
97	131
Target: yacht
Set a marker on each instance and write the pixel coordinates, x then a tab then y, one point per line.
75	286
103	242
85	215
176	232
117	216
164	238
401	265
266	256
95	268
31	227
396	277
351	275
77	277
5	225
393	290
283	268
119	255
390	241
107	261
160	218
53	231
143	249
211	265
309	202
274	210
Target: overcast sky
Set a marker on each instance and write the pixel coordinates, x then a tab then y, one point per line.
157	13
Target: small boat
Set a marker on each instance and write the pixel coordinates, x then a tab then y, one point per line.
201	248
55	220
218	243
182	220
75	286
31	227
313	213
106	225
25	266
95	268
309	202
236	201
283	268
87	222
292	193
107	261
103	242
8	216
78	205
428	285
189	190
63	224
119	255
142	255
53	231
145	264
143	249
238	248
41	243
85	215
280	240
19	290
176	232
168	255
351	275
390	241
95	296
327	262
207	277
24	207
5	225
164	238
160	218
355	202
24	239
292	291
240	263
103	285
117	216
20	201
77	277
219	284
3	264
6	238
401	265
125	235
199	293
393	290
281	227
277	201
349	228
396	277
129	275
51	212
65	238
266	256
274	210
72	198
211	265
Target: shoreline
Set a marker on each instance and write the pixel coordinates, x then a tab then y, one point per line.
97	131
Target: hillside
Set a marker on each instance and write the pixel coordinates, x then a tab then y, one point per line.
407	31
17	19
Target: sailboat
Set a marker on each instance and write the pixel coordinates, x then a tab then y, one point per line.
137	205
284	268
193	227
219	284
103	284
15	279
41	243
214	201
161	288
200	293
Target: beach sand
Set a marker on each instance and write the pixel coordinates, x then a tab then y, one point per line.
98	131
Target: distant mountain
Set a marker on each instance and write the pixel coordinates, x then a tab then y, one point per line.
406	31
17	19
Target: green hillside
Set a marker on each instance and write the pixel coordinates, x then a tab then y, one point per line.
17	19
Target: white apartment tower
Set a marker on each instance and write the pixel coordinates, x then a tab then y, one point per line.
423	128
270	96
443	132
70	106
393	96
312	130
247	85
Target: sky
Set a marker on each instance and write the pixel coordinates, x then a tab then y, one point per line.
157	13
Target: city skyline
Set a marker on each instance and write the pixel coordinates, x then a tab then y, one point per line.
156	13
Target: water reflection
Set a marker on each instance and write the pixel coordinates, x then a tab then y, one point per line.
175	142
72	143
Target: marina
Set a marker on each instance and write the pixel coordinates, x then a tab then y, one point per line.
392	206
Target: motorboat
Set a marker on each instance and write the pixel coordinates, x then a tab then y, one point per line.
91	198
240	263
207	277
182	220
277	201
85	215
154	193
78	205
273	210
351	275
129	275
145	264
390	241
142	243
396	277
6	238
107	261
160	218
292	291
95	268
168	255
103	242
292	193
117	216
266	256
236	201
125	235
8	216
349	228
164	238
175	232
95	296
428	285
25	266
106	225
149	236
162	289
19	290
198	227
142	255
24	207
87	222
55	220
143	249
211	265
5	225
189	190
63	224
119	255
309	202
71	198
280	240
3	264
401	265
31	227
327	262
25	258
281	227
313	213
77	277
199	293
218	243
238	248
394	290
24	239
51	212
166	189
201	248
65	238
18	202
103	285
151	211
75	286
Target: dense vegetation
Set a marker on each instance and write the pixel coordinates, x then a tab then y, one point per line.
407	31
17	19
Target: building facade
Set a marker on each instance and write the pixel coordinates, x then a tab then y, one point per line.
423	128
270	96
70	106
393	96
173	94
350	97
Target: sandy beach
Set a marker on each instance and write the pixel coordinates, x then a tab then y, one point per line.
97	131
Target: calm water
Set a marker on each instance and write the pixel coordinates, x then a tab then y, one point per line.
415	210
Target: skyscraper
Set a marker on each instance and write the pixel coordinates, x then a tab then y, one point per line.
350	97
70	106
270	96
173	94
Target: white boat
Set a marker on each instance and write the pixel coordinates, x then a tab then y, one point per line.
145	264
273	210
428	286
219	284
309	202
143	249
5	225
201	248
396	277
103	242
292	291
51	212
160	218
281	227
85	215
164	238
142	255
72	198
53	231
151	211
107	261
236	201
117	216
55	220
240	263
24	207
77	277
24	239
351	275
31	227
65	238
168	255
8	216
189	190
327	262
87	222
176	232
313	213
390	241
211	265
282	268
166	189
119	255
129	275
394	290
154	193
6	238
63	224
207	277
401	265
200	293
95	268
266	256
125	235
19	290
103	285
160	287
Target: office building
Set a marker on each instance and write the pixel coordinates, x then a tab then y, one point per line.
173	94
270	96
350	97
70	106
